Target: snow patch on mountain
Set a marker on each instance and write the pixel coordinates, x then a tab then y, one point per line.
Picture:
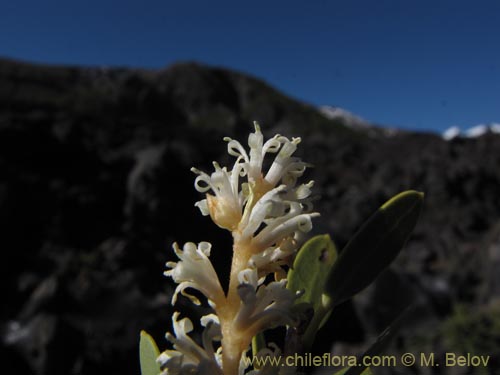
451	133
348	118
472	132
355	122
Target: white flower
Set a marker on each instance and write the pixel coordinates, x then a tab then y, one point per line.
232	203
284	167
195	271
272	259
188	357
263	306
225	206
282	219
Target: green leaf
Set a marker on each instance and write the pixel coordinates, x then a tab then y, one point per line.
309	274
342	372
374	246
381	343
387	335
311	267
148	352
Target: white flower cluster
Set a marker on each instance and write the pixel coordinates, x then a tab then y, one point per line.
267	214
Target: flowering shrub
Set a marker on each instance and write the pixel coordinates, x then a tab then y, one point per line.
268	213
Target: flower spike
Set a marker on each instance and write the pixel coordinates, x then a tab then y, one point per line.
267	213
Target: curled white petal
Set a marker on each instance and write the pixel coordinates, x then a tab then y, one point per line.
189	357
203	207
284	163
282	228
194	270
202	182
261	210
271	146
234	148
250	277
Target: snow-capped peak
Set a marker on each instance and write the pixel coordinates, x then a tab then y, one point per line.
472	132
476	131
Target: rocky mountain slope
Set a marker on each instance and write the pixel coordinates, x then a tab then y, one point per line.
95	187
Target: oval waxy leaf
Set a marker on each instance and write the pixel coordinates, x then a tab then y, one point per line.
148	353
374	246
308	275
311	267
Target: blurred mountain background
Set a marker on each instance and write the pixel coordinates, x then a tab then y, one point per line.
95	186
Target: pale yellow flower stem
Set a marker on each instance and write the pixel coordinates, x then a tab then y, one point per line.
234	341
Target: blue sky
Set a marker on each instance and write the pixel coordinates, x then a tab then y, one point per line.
416	64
